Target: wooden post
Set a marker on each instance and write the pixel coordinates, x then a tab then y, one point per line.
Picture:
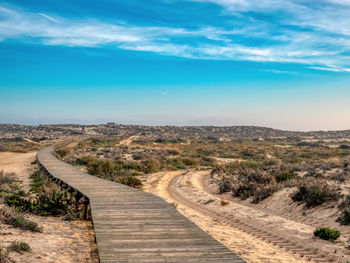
77	197
70	193
85	202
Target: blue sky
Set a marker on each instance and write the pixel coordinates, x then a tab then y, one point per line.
282	64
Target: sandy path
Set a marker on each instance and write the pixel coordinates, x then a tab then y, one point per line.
247	246
18	163
61	241
127	141
254	235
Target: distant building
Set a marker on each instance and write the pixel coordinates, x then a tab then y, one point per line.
111	124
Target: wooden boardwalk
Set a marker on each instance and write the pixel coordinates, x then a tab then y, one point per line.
135	226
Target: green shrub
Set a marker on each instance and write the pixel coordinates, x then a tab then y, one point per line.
344	218
344	146
181	166
190	161
256	177
314	195
38	178
19	247
23	223
207	161
284	176
7	178
130	181
85	160
151	165
69	216
118	170
19	200
50	202
228	156
62	152
243	191
120	165
47	202
175	163
262	193
270	162
100	167
248	152
224	186
327	233
165	140
10	217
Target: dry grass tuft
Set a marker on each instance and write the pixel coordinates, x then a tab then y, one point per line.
224	202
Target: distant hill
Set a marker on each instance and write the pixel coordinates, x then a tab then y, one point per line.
229	132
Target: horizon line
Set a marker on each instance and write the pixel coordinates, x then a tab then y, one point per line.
179	126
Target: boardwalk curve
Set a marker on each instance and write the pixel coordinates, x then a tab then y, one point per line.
134	226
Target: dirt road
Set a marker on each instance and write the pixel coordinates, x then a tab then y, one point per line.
18	163
253	234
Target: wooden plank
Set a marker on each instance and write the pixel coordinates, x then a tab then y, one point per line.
133	226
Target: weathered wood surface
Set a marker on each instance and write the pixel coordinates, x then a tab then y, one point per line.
134	226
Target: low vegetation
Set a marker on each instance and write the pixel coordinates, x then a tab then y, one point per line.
262	167
12	217
209	201
98	143
17	144
315	194
62	152
43	199
7	178
15	246
19	247
250	168
9	187
327	233
3	255
344	218
115	170
285	176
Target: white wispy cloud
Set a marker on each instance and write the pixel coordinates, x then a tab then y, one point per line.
276	71
48	17
317	40
332	68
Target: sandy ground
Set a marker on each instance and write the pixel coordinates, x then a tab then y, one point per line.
18	163
254	234
226	160
127	141
60	241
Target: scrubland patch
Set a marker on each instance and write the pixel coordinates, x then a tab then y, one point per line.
17	144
